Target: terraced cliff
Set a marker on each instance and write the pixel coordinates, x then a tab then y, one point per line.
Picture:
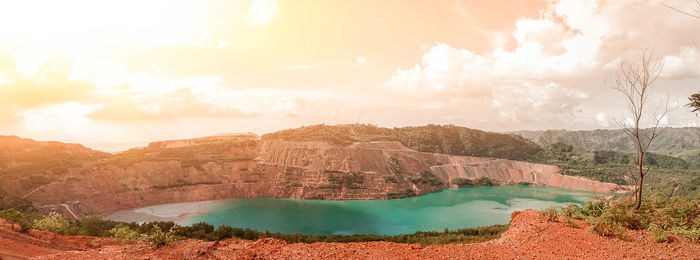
225	167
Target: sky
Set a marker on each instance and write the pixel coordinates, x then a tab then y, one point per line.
117	74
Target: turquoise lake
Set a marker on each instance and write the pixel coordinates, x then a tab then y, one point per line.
449	208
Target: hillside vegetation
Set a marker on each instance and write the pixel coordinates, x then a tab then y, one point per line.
668	175
447	139
681	142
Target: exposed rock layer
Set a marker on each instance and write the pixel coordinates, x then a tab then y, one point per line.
243	167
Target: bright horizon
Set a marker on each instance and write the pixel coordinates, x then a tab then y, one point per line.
130	72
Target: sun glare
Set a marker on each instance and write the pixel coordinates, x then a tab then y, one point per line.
80	23
262	11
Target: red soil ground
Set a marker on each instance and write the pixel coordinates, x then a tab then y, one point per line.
528	237
16	245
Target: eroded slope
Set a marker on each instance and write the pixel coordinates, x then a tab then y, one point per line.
224	167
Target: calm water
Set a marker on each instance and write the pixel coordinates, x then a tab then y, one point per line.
449	208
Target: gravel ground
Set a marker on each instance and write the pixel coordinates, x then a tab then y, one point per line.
529	237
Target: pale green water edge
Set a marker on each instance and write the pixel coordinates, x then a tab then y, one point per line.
449	208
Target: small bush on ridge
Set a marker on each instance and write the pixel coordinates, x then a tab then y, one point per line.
550	214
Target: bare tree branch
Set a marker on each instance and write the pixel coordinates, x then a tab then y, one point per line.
694	98
695	13
635	81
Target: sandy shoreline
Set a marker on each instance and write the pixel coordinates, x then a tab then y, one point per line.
175	212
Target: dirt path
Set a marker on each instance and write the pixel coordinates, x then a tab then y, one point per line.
70	211
38	188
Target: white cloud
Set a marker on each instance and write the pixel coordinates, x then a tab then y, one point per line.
602	119
559	62
433	105
262	11
361	60
683	65
222	44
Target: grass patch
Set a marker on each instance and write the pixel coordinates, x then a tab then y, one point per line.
390	179
462	182
659	215
407	193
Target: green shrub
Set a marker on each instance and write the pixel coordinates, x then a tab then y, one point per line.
158	238
407	193
429	177
574	211
571	223
391	179
462	182
595	207
659	235
675	212
550	214
484	181
415	179
605	226
660	215
692	234
97	242
125	233
92	226
16	217
53	222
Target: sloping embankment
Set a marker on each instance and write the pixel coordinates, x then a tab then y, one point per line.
281	169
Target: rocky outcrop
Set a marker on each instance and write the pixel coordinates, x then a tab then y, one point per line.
507	171
225	167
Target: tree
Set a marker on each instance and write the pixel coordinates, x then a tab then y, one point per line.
694	102
15	217
635	81
694	13
92	226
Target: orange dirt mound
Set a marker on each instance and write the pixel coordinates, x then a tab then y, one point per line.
16	245
528	237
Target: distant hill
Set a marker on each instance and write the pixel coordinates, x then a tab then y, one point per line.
27	157
680	142
446	139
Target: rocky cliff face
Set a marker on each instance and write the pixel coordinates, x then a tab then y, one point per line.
244	166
